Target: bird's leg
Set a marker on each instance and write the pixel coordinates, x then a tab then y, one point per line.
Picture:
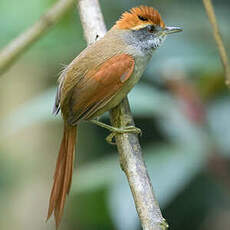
115	130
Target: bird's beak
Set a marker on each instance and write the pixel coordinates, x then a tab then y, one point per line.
172	29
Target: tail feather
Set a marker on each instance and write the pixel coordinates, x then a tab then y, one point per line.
63	173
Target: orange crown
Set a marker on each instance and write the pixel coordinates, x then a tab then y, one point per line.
139	17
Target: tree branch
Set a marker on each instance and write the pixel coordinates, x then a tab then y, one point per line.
128	144
12	51
133	165
217	36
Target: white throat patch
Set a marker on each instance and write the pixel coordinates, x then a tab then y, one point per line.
157	42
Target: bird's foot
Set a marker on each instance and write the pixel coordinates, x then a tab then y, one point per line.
127	129
115	130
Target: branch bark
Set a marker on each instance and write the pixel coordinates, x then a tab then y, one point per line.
12	51
129	148
217	36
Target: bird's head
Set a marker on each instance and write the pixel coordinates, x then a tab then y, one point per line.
144	27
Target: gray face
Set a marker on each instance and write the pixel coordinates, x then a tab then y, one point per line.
146	39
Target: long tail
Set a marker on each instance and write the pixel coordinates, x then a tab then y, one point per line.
63	173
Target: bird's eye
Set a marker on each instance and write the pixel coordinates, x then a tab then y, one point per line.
142	18
151	28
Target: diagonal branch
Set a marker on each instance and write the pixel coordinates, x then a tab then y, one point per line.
12	51
217	36
128	144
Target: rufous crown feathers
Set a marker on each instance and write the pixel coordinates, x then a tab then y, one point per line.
139	17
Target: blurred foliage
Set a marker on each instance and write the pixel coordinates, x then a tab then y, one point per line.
181	105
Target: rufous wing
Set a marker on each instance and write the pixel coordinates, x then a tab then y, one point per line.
98	87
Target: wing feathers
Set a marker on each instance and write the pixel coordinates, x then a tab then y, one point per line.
99	86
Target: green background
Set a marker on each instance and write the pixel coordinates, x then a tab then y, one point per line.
181	105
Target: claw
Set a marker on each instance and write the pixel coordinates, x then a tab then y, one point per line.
110	137
115	130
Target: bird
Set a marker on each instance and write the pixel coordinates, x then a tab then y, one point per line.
97	80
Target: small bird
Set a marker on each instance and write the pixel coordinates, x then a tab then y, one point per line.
97	80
